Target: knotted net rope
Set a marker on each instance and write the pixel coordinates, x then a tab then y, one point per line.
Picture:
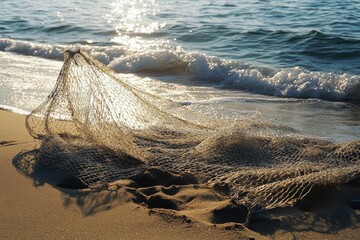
100	129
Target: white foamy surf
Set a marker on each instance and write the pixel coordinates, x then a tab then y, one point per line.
288	82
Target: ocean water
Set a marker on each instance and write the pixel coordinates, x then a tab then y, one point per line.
290	62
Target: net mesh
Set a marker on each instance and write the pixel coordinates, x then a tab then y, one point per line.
100	129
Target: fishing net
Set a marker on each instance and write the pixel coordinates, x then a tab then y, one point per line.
100	129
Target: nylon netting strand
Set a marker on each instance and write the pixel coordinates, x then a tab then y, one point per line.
100	129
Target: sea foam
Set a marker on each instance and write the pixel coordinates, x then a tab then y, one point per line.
292	82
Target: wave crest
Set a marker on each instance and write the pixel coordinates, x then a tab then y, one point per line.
233	74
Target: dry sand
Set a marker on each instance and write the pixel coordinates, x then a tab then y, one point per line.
49	205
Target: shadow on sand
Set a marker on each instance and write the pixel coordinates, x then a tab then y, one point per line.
325	209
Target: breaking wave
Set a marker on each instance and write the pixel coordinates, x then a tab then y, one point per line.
293	82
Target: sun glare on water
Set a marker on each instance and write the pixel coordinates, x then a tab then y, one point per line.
132	20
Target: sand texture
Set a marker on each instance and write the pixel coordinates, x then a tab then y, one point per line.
39	203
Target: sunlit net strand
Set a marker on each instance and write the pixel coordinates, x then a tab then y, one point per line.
115	131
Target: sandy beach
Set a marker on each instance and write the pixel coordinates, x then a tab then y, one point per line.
28	211
44	207
180	119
